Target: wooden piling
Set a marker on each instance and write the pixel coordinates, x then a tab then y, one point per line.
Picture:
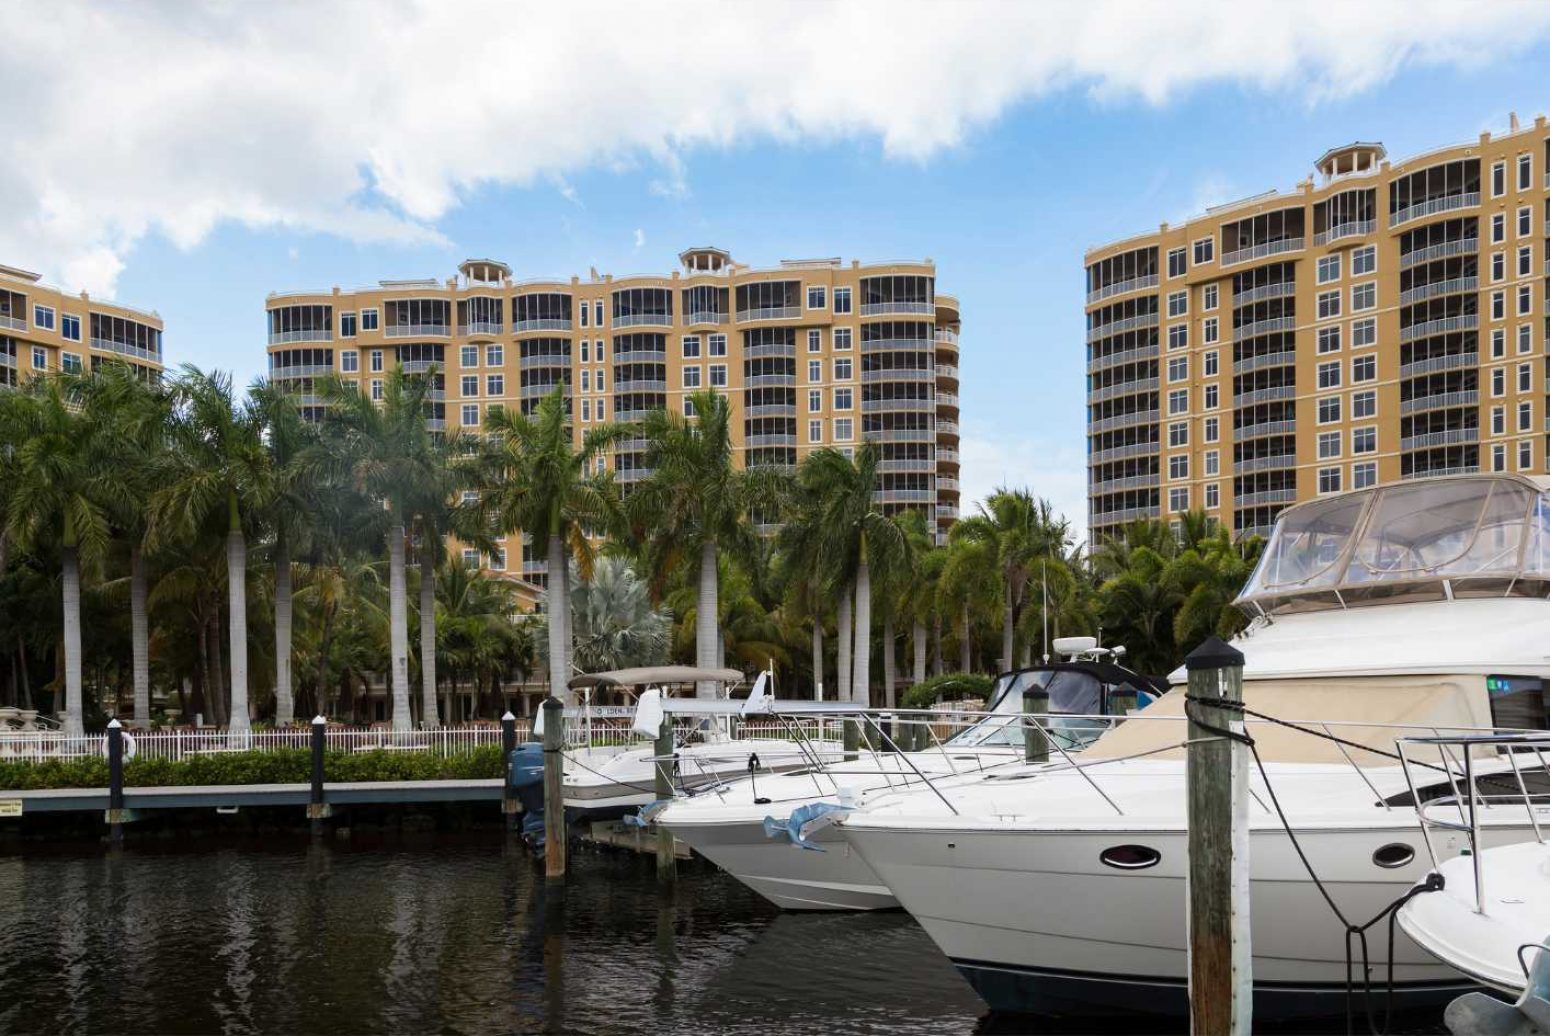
115	782
317	809
1122	701
1035	741
667	859
510	806
1221	982
554	789
852	741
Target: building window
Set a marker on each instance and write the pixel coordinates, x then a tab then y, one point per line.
815	341
1178	467
495	385
1498	266
70	363
688	409
1525	338
470	385
1329	480
1364	368
1178	263
494	355
814	370
842	398
1364	474
841	300
718	375
586	351
1525	454
1525	221
1329	339
468	356
1525	416
376	389
1364	332
1498	343
598	352
1178	368
1178	303
842	368
586	381
814	400
1498	457
691	376
1364	296
1498	179
1329	410
1498	305
1329	445
1204	250
1498	228
842	336
350	361
368	320
843	429
1498	420
1178	433
717	345
1364	440
1209	296
70	328
470	558
1178	401
597	380
376	360
1213	363
1212	430
43	318
1525	172
1329	375
691	347
1363	404
1364	260
1525	260
1499	381
1329	304
347	325
1525	377
498	559
586	410
1525	300
1213	461
597	312
816	296
1178	499
1329	268
815	431
1213	397
1210	330
470	415
1178	336
1213	496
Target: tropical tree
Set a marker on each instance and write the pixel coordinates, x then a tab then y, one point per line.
696	503
970	589
534	478
614	621
1019	531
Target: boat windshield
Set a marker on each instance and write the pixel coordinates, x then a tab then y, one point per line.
1071	692
1427	540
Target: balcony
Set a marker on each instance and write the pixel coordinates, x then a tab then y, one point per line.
633	474
1116	327
912	345
544	360
633	416
540	391
1267	496
535	568
481	328
706	316
901	435
1269	248
644	320
13	323
888	309
769	381
1432	290
1126	452
1117	485
298	370
947	511
417	331
1130	420
640	356
1451	437
308	334
905	496
8	360
777	439
623	385
946	484
1433	364
1123	388
1280	289
1284	358
944	427
1264	327
1129	514
770	410
544	324
138	352
436	395
422	366
907	466
947	399
1462	322
899	374
770	351
1458	246
946	337
1341	231
946	456
632	445
1264	430
947	370
1248	531
1423	209
1462	469
1273	462
436	424
1108	291
769	313
1273	394
1440	401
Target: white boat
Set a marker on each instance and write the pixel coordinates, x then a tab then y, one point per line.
754	830
1062	890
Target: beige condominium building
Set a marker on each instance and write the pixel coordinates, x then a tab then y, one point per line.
1383	320
811	353
43	328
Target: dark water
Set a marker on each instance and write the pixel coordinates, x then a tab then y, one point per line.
439	936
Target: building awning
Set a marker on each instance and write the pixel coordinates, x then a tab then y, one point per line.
656	674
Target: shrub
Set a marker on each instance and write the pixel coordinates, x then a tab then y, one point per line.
948	685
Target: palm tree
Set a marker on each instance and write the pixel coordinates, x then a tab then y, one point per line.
614	622
535	479
218	470
970	589
1020	530
914	596
58	486
697	502
388	456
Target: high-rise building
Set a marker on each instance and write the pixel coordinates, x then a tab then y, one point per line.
1381	321
43	328
811	353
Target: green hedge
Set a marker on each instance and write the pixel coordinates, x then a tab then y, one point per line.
949	685
285	766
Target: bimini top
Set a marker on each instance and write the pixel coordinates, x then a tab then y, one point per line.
1431	539
655	674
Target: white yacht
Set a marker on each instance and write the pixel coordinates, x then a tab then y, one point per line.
762	831
1059	890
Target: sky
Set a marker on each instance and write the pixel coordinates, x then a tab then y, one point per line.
191	158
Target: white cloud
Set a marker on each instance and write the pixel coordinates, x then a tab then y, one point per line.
1050	468
640	239
173	118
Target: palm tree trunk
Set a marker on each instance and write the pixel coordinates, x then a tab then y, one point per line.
705	616
817	658
965	648
215	694
21	654
73	718
139	637
842	632
427	636
559	611
1008	621
861	661
237	589
1027	658
919	634
398	621
890	681
284	694
937	668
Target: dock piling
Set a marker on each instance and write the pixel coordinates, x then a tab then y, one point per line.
554	789
1035	741
1122	702
510	807
1221	983
852	740
317	809
667	860
115	782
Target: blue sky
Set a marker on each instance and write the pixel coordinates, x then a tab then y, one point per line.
1004	200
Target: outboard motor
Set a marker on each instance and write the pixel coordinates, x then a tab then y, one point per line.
527	779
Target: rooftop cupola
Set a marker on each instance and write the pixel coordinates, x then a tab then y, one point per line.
1357	157
484	271
704	260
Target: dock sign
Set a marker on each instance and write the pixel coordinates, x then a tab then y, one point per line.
10	807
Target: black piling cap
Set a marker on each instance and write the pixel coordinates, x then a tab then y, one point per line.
1213	653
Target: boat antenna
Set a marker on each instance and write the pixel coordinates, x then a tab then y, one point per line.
1044	578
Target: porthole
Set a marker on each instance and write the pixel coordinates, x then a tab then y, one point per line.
1395	854
1130	857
